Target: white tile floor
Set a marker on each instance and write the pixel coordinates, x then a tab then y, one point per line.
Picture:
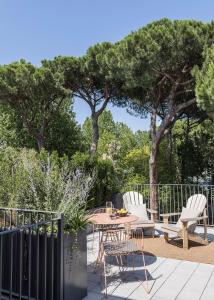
169	279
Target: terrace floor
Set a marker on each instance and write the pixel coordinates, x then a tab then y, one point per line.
169	279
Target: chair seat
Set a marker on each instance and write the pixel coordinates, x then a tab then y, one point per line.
169	228
144	222
120	248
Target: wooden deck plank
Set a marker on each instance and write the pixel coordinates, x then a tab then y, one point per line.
134	279
194	288
159	276
208	292
177	280
172	280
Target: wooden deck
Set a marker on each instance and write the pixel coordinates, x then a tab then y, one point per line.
169	279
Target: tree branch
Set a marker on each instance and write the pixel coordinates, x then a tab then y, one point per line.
183	92
81	96
165	74
103	106
187	82
184	105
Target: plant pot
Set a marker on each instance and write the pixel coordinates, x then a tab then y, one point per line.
75	266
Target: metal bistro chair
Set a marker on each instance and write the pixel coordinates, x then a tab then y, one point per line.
128	242
95	227
105	232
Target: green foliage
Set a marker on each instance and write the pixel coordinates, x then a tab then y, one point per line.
63	134
106	183
92	71
35	94
12	131
155	63
136	164
18	167
116	139
106	126
205	82
33	180
118	145
168	166
88	79
194	150
162	48
87	132
156	70
142	138
137	159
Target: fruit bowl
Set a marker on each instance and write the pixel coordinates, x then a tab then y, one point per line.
122	213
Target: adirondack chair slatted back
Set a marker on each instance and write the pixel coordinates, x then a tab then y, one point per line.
196	205
133	198
133	202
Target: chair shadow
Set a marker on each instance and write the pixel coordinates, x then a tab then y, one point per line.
150	258
210	237
128	274
178	242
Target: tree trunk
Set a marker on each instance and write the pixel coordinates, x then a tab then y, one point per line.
156	137
38	136
153	176
212	179
40	142
95	133
153	163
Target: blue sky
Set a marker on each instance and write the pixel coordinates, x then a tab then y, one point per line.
37	29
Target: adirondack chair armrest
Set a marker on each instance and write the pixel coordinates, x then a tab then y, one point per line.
167	216
184	220
153	214
152	211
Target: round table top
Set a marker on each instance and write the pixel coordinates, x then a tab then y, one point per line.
105	219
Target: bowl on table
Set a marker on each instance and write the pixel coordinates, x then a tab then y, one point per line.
122	212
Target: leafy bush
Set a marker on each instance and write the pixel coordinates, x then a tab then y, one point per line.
46	182
107	182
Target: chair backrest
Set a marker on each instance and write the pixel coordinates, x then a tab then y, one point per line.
97	210
195	207
197	203
133	202
135	236
125	240
133	198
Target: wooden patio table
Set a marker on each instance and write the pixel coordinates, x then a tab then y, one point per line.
105	219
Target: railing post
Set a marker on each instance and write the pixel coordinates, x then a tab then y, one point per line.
1	255
60	247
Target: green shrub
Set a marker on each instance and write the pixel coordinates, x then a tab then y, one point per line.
106	183
43	181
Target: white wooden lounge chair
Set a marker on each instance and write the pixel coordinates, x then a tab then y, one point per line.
133	202
194	212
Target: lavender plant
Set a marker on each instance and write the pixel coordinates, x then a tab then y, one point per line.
43	181
62	189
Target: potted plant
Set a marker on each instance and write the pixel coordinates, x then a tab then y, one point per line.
75	257
56	187
73	207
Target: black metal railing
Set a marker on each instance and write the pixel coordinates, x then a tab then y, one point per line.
173	197
31	254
